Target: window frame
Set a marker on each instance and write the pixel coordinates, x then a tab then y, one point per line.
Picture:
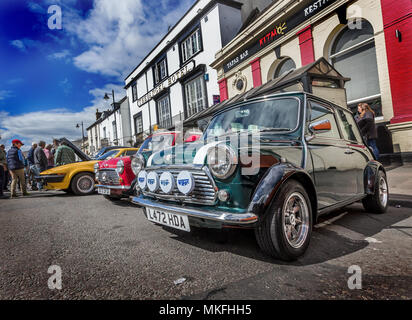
204	89
156	68
165	96
182	54
333	112
134	92
340	120
138	115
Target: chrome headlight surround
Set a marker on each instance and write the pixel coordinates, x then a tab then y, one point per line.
120	167
222	161
138	163
96	167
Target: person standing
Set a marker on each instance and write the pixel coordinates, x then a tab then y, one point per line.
15	163
32	167
55	146
366	122
64	155
3	170
40	160
49	156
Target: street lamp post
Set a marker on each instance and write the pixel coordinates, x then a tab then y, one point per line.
78	126
106	97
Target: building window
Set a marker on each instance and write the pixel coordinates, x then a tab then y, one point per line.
138	123
104	133
195	95
160	71
134	91
285	66
163	112
353	54
191	45
114	130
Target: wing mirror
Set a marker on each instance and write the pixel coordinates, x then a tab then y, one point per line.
320	126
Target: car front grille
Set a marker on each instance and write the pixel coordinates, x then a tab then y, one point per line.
203	193
108	177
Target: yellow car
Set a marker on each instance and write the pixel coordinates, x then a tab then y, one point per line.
78	177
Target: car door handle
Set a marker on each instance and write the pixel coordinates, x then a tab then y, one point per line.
349	151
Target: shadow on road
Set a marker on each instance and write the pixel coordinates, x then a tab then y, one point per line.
339	238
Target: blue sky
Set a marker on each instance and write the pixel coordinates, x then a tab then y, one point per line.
52	79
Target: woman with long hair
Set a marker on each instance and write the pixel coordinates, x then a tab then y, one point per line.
366	122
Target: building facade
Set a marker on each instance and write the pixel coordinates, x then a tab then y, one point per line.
368	41
175	80
111	128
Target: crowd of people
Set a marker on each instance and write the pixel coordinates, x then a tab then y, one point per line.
22	171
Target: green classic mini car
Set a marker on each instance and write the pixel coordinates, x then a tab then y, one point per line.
273	163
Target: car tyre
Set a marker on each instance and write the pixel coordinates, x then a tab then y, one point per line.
378	202
291	208
83	184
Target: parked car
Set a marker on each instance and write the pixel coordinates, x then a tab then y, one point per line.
116	177
310	159
103	150
78	177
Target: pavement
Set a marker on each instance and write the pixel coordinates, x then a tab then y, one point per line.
400	185
111	251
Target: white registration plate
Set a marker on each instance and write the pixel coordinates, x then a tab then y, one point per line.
173	220
103	191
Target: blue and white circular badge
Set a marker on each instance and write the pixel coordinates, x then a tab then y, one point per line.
153	181
185	182
142	179
167	182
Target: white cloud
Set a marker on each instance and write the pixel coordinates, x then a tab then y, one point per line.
56	123
120	33
4	94
59	55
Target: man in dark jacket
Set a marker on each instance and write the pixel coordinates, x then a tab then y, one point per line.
15	163
40	161
32	167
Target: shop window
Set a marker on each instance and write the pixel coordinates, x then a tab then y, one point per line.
163	112
195	95
353	54
134	91
160	71
191	45
286	65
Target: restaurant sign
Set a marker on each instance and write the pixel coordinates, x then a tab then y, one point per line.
167	82
278	30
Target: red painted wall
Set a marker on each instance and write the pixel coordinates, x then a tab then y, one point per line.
397	15
307	52
256	72
223	89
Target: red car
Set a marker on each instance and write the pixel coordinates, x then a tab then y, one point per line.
116	177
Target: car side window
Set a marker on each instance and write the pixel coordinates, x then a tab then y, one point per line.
348	125
130	152
320	112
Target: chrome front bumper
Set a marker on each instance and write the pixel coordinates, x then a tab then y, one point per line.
220	216
112	187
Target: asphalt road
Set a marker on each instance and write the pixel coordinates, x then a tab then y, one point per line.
110	251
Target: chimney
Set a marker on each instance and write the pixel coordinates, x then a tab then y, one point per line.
98	114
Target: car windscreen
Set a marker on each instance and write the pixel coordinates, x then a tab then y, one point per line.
108	154
157	142
279	115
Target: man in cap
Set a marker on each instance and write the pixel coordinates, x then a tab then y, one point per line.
15	163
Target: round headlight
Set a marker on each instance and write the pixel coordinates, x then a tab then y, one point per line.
138	163
120	167
142	179
222	161
96	167
167	182
153	181
185	182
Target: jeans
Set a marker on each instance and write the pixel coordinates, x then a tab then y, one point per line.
372	145
36	172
